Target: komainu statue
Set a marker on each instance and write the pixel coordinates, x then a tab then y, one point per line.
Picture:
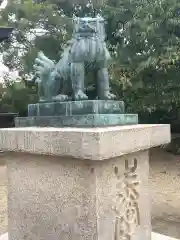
86	52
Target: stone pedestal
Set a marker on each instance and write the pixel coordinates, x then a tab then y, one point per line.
73	184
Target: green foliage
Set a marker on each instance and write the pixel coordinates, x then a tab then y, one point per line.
142	35
145	39
15	96
49	36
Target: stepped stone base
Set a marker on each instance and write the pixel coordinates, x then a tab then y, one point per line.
90	120
71	108
88	113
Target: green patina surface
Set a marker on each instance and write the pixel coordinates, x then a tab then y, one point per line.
85	53
91	120
71	108
63	100
87	113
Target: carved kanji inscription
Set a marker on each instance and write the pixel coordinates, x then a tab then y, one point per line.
126	208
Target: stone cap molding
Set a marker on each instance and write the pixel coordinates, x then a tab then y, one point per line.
84	143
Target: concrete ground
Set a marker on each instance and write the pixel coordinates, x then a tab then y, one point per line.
165	190
164	186
154	236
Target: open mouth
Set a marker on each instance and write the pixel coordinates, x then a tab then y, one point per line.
86	28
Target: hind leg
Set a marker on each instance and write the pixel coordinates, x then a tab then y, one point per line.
57	88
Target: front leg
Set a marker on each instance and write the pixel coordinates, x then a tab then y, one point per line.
103	85
77	80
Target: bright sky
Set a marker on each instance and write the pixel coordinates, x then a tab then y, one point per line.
3	69
3	4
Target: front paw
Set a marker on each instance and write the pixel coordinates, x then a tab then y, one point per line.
61	98
79	95
109	96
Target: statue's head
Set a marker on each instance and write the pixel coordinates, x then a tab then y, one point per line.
88	26
88	40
